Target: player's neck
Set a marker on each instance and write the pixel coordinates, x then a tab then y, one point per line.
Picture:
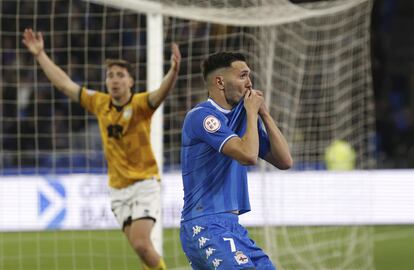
221	101
122	101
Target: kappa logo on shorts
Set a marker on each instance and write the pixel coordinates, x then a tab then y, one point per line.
209	252
241	258
211	124
202	241
197	229
216	263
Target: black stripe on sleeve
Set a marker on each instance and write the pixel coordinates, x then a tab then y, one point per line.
80	94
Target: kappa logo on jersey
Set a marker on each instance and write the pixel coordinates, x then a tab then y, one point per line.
127	113
211	124
241	258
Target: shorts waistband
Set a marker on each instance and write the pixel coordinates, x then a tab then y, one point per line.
149	178
224	215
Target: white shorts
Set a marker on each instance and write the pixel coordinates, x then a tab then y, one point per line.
139	200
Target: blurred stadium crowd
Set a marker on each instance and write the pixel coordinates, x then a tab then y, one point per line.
393	78
58	124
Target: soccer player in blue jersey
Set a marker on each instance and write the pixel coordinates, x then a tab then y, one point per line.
222	136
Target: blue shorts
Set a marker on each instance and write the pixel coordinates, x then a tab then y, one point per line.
219	242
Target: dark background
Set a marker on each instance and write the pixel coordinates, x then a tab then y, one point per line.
393	77
392	44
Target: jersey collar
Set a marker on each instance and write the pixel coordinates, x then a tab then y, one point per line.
218	106
120	108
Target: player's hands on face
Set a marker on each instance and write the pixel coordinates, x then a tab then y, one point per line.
263	109
253	101
175	57
33	41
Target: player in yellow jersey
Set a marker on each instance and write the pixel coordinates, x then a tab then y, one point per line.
124	121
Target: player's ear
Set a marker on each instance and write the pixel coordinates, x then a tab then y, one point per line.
219	81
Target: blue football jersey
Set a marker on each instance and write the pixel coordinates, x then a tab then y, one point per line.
213	182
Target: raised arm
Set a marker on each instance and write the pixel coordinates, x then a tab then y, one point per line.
279	154
157	97
35	45
246	149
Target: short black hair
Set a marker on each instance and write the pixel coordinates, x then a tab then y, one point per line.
220	60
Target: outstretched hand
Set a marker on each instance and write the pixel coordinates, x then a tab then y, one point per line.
175	57
33	41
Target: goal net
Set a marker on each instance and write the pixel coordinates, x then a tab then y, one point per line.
311	60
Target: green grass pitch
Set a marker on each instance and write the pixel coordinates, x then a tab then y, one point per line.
104	250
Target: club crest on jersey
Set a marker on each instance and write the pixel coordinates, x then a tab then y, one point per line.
211	124
241	258
127	113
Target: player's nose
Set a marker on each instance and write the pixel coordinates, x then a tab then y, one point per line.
249	84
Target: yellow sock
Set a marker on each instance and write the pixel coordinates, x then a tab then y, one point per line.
160	266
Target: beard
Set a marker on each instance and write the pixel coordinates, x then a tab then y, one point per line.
234	100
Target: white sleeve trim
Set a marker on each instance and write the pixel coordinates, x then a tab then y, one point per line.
225	140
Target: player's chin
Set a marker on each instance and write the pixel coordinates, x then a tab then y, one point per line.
237	101
115	94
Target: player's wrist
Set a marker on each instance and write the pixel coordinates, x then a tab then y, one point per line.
37	54
264	113
252	114
174	67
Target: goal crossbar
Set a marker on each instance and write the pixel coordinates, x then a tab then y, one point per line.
286	12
